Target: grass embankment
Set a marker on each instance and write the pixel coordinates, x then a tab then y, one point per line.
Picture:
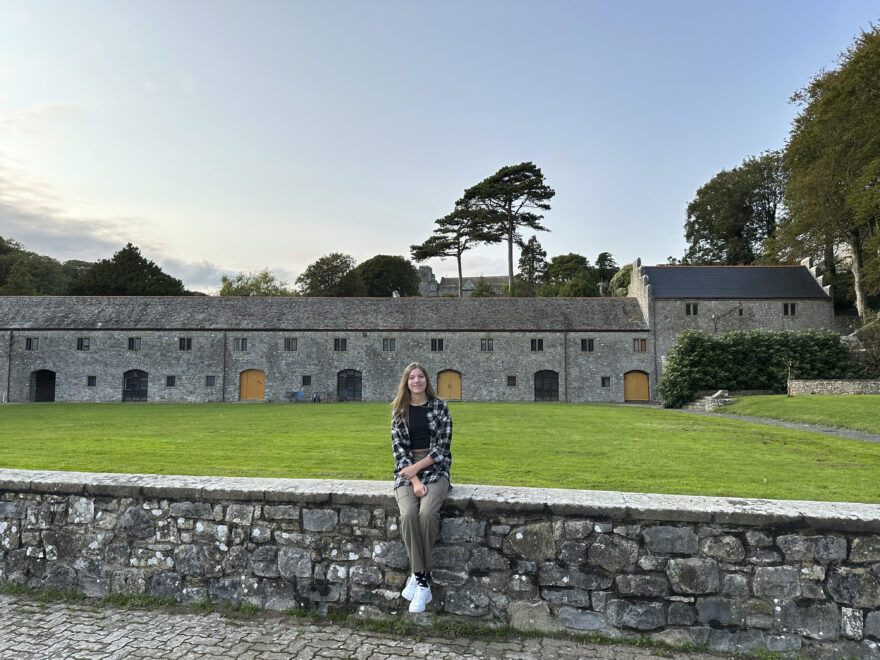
857	412
544	445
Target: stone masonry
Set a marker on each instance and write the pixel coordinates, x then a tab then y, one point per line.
799	578
853	386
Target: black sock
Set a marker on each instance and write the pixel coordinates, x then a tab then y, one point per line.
422	579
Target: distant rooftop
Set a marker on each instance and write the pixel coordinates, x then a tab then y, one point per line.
733	282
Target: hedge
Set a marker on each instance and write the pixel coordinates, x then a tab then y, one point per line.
749	361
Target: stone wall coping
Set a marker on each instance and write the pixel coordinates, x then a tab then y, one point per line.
842	516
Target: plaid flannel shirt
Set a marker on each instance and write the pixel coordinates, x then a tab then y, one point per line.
440	426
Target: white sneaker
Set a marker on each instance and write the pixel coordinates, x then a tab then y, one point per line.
421	598
410	589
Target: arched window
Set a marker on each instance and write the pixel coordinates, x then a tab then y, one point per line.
134	385
348	385
42	385
546	386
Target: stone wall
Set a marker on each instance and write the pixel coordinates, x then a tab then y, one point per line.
800	387
802	578
484	374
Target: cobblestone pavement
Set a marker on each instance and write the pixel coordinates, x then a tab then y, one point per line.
30	629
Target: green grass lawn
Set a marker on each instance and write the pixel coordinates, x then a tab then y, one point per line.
548	445
858	412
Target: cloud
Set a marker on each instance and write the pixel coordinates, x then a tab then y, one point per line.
29	119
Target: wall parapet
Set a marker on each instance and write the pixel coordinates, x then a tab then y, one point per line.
734	574
841	386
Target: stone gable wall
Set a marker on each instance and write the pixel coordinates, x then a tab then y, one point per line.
801	578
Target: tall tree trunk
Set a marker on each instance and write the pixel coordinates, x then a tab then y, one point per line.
510	233
458	259
855	245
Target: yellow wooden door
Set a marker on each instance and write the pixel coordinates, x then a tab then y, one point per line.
449	385
635	386
252	385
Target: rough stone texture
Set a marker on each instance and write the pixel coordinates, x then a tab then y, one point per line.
735	575
854	386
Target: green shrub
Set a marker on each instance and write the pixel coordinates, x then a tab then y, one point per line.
749	361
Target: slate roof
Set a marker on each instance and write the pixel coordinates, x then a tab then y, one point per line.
733	282
402	314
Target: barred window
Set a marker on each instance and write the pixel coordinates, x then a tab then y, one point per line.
606	381
587	345
388	345
83	343
170	381
486	345
185	343
134	343
640	345
537	344
789	309
340	344
511	381
31	344
436	345
239	344
290	343
91	381
210	381
690	309
307	381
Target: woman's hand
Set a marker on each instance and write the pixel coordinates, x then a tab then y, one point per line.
409	472
419	489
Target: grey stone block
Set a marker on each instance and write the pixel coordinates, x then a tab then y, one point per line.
191	510
294	562
817	621
639	615
852	623
366	575
872	625
468	601
776	582
735	584
136	522
664	539
264	561
462	529
354	516
614	553
534	542
724	611
681	614
390	553
483	559
642	585
693	576
865	549
190	560
319	520
854	586
723	548
450	556
166	585
580	620
571	596
531	616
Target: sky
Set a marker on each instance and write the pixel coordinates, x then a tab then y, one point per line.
223	137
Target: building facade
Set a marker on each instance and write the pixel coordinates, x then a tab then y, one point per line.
205	349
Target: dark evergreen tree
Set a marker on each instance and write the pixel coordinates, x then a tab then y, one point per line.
127	273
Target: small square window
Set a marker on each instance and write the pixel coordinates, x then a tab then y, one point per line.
134	343
340	344
240	344
185	343
210	381
83	343
588	345
511	381
307	381
170	381
290	343
388	345
436	345
91	381
789	309
740	311
640	345
690	309
486	345
31	344
606	381
537	344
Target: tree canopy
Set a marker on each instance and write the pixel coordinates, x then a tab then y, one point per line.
482	289
263	283
455	233
510	200
569	275
127	273
532	264
735	212
331	275
385	276
833	158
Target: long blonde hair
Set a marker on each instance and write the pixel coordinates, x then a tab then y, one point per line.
400	405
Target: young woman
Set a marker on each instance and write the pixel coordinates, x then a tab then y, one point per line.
421	433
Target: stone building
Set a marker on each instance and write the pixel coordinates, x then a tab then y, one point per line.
448	286
199	349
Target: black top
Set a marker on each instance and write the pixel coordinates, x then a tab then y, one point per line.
419	433
733	282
